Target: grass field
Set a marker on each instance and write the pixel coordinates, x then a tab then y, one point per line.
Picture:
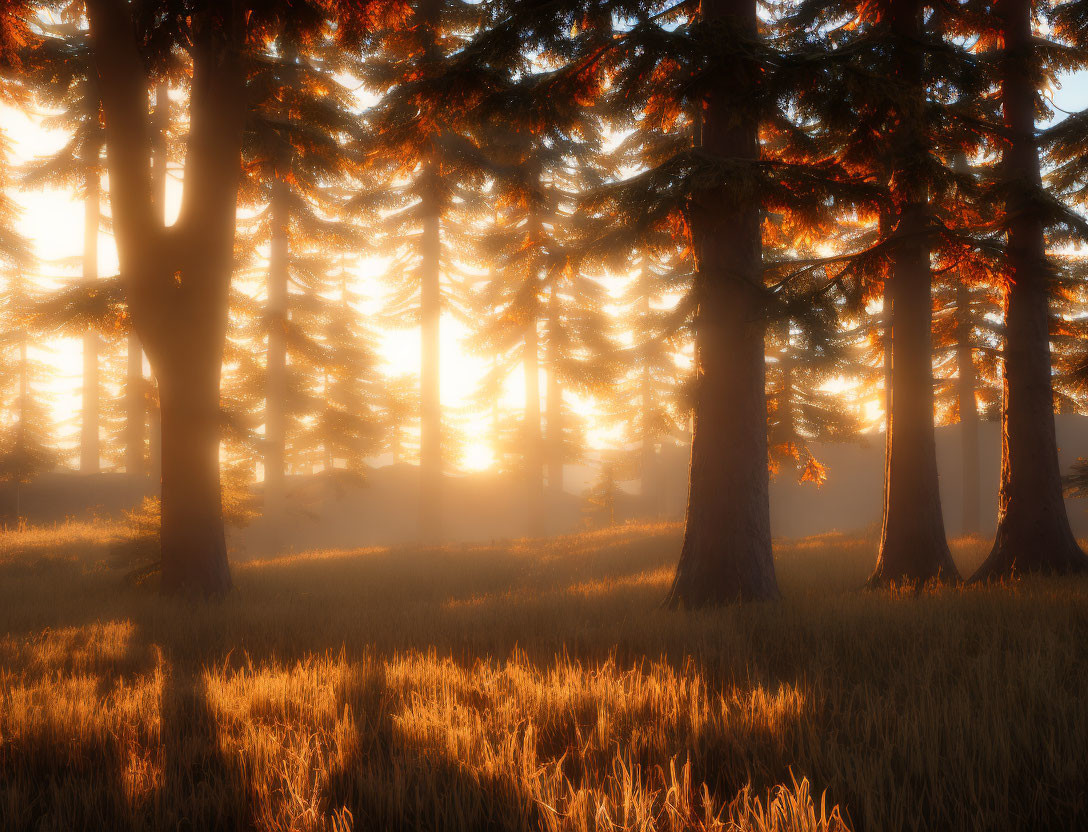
534	685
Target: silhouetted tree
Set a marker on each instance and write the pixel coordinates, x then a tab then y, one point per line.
177	278
1033	533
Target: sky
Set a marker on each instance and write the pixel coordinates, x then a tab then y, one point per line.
53	220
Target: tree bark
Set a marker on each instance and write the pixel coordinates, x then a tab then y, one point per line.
968	407
553	422
177	279
1033	533
726	554
649	484
649	476
275	421
913	547
534	451
89	448
430	377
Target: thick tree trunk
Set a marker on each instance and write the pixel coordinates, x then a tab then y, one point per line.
1033	533
89	449
178	279
430	377
968	407
194	552
553	422
275	419
912	541
726	554
913	547
534	451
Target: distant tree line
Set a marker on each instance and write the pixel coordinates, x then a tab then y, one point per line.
710	220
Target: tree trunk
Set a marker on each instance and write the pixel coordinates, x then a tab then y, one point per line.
726	554
534	451
913	547
194	552
89	449
968	407
275	420
554	403
1033	533
177	279
785	405
430	378
649	486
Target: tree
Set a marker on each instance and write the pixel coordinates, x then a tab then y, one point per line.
727	540
297	164
25	444
423	177
177	278
60	77
967	338
651	399
539	308
895	103
1033	533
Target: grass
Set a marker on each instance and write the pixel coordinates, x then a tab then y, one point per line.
534	685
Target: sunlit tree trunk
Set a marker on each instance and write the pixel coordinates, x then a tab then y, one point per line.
177	279
1033	533
912	540
649	476
275	414
89	450
726	554
430	302
785	403
649	484
554	402
534	451
968	407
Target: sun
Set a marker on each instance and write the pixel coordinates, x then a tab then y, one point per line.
478	456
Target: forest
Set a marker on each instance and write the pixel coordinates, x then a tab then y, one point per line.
543	414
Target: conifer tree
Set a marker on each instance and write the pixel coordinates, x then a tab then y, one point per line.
651	398
657	67
895	102
177	278
966	344
297	162
26	443
1033	533
61	79
539	308
423	177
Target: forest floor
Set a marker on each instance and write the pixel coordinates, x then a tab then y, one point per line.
534	685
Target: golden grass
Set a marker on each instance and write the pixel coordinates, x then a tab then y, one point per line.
534	685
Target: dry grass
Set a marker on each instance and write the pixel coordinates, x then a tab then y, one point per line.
534	685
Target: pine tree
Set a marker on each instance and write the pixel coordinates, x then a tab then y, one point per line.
26	448
1033	533
61	79
895	102
177	278
423	178
297	162
539	309
651	398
